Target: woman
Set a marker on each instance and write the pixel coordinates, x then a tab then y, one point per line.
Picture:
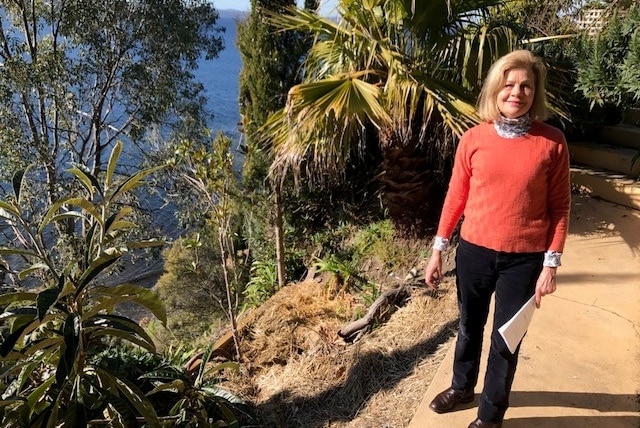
511	181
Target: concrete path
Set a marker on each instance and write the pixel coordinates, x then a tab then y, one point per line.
579	364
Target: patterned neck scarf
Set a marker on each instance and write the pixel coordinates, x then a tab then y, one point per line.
513	128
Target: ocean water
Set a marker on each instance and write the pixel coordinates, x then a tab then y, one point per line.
220	79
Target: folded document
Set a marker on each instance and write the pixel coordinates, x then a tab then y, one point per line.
513	330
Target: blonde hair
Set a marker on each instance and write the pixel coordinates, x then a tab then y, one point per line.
521	59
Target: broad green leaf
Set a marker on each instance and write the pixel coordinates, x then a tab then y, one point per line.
93	333
119	225
17	183
146	244
88	207
71	215
5	299
215	391
10	341
106	259
133	395
119	323
180	404
4	251
89	243
39	392
106	303
176	385
10	401
51	212
71	334
111	166
88	181
122	213
31	269
45	300
9	209
165	374
14	356
51	342
133	182
143	296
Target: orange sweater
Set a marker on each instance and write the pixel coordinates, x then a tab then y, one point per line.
515	194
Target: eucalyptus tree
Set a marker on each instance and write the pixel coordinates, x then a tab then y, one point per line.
76	77
410	68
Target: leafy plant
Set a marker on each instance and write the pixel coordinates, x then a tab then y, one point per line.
60	315
345	274
608	65
209	171
197	400
262	283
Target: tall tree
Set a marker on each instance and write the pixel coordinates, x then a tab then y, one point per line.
78	76
410	68
271	62
539	19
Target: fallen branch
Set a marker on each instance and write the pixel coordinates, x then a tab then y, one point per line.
382	306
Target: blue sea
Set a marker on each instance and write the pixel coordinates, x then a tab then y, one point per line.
220	79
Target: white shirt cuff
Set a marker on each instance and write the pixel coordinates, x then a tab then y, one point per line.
552	259
440	243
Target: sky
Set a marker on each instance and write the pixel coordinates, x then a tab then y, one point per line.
326	6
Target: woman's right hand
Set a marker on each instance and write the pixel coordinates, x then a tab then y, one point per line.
433	272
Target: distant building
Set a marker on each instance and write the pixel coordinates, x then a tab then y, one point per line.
593	20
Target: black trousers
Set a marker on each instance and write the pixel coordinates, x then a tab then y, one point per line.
480	273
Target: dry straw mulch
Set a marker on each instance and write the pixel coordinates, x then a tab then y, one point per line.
297	372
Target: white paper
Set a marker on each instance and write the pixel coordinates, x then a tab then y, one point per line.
513	330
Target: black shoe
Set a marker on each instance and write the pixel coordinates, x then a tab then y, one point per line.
448	399
479	424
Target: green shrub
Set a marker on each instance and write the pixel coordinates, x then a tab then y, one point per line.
192	287
262	284
608	71
60	314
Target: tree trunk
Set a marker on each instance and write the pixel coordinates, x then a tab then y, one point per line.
279	236
230	308
415	178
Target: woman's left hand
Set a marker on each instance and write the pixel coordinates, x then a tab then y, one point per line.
546	283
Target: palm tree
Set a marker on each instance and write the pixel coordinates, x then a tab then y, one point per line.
409	68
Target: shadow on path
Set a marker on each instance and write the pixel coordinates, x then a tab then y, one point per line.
592	216
602	402
575	422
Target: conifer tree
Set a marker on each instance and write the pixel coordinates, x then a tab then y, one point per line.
271	64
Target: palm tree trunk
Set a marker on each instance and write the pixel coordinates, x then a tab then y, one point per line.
414	181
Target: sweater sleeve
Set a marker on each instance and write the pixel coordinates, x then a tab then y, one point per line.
458	191
559	197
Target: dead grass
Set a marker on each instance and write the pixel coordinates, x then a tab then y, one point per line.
297	372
